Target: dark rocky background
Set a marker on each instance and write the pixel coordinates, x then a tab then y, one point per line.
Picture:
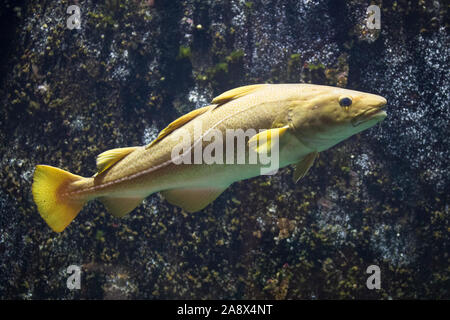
379	198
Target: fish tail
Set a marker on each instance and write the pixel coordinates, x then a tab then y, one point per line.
56	207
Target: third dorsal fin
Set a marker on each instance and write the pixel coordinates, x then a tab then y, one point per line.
236	93
108	158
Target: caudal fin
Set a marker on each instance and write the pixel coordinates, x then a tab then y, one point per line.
49	186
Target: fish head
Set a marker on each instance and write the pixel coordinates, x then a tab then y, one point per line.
324	116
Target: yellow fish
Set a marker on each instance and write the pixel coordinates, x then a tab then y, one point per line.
200	154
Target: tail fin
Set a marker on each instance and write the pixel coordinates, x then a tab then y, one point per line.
48	188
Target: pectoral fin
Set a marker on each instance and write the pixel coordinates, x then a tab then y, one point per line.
264	141
192	200
303	165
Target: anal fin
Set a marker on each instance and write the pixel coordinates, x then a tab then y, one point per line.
192	200
119	207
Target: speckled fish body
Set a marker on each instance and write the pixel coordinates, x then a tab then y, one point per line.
305	120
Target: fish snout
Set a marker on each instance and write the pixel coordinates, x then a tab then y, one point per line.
375	101
382	102
373	111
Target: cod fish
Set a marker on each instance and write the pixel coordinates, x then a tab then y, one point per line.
300	120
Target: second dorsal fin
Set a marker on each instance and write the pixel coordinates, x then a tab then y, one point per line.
236	93
108	158
193	199
177	124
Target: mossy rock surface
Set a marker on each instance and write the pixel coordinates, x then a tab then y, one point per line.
379	198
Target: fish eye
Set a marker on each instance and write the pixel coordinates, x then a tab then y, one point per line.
345	101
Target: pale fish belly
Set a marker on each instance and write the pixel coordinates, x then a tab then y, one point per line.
180	176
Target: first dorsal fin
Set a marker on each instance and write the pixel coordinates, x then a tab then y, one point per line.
108	158
178	123
236	93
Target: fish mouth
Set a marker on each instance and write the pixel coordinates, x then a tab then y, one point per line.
376	113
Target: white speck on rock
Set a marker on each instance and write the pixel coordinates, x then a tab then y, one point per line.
150	134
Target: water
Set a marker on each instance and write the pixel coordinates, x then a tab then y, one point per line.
379	198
